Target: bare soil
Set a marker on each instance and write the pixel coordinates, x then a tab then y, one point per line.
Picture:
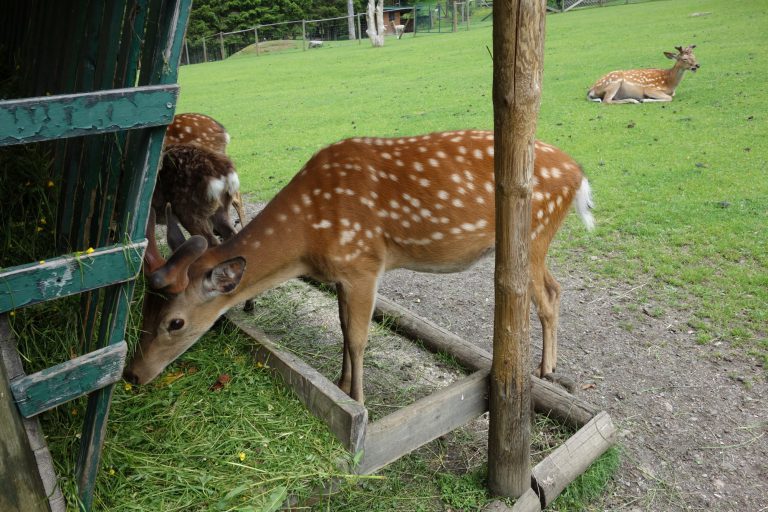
692	419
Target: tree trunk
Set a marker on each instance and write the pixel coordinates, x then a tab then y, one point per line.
375	16
351	19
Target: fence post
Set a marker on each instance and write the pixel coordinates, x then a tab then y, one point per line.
205	51
359	33
256	36
518	45
415	20
304	35
221	44
455	18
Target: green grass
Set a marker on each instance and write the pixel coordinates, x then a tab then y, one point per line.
681	188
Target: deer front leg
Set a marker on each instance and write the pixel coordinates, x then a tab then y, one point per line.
654	96
612	90
356	299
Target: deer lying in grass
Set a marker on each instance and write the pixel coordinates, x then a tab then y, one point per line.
200	185
645	85
204	131
357	209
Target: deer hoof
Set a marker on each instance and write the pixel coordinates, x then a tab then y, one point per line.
248	306
566	382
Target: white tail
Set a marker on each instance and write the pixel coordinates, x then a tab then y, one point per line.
199	185
645	85
204	131
357	209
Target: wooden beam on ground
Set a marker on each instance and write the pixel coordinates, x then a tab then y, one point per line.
346	418
573	457
548	398
429	418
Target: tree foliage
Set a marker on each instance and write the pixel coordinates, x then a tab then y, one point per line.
210	17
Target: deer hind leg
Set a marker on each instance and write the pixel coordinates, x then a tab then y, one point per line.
237	202
546	295
656	96
612	90
355	310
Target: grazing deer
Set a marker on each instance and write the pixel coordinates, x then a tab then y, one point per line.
645	85
199	185
205	131
399	29
355	210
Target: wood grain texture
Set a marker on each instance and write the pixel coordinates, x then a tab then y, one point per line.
518	46
63	382
71	115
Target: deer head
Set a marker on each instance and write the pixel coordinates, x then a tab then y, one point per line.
685	57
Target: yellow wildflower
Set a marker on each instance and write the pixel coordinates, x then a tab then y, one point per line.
12	313
42	221
241	456
111	471
128	386
50	183
74	412
42	262
39	229
89	250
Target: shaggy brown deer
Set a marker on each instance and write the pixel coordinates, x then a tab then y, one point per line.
205	131
200	185
645	85
356	209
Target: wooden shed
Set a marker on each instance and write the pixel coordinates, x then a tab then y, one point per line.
87	88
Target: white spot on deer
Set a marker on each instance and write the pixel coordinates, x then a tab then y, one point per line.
442	194
488	187
462	190
455	231
367	202
323	224
559	200
477	154
534	180
462	150
399	163
422	149
539	214
295	208
406	223
556	173
480	200
386	156
394	204
433	162
392	177
282	217
455	178
418	166
326	195
440	154
457	203
538	196
489	150
468	226
424	182
437	235
347	235
325	166
544	173
551	206
188	129
215	188
425	213
345	222
306	200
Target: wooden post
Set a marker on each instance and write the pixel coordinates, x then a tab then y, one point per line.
304	35
455	17
360	34
221	45
186	50
205	52
518	36
256	36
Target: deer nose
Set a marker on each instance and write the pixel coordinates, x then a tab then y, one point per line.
130	377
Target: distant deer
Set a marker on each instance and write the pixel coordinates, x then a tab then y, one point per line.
205	131
200	185
645	85
399	29
355	210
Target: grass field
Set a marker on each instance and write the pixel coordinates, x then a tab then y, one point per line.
681	188
682	211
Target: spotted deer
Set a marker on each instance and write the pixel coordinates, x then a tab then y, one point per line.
205	131
199	185
645	85
356	209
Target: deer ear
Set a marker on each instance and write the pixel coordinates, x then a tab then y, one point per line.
224	277
670	55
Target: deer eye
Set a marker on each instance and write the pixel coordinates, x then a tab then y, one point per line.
176	324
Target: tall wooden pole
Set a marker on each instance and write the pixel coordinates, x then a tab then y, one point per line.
518	45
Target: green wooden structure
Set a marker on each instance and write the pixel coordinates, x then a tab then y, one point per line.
95	82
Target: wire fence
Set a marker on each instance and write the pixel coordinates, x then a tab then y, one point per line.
422	18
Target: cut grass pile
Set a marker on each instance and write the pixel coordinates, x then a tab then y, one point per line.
681	188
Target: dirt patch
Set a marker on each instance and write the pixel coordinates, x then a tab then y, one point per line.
693	425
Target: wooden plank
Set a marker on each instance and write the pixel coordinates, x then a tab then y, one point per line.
346	418
548	398
71	115
28	284
63	382
423	421
573	457
21	487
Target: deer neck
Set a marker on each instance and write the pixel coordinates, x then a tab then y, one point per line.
675	76
273	248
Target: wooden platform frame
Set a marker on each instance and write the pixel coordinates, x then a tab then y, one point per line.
405	430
